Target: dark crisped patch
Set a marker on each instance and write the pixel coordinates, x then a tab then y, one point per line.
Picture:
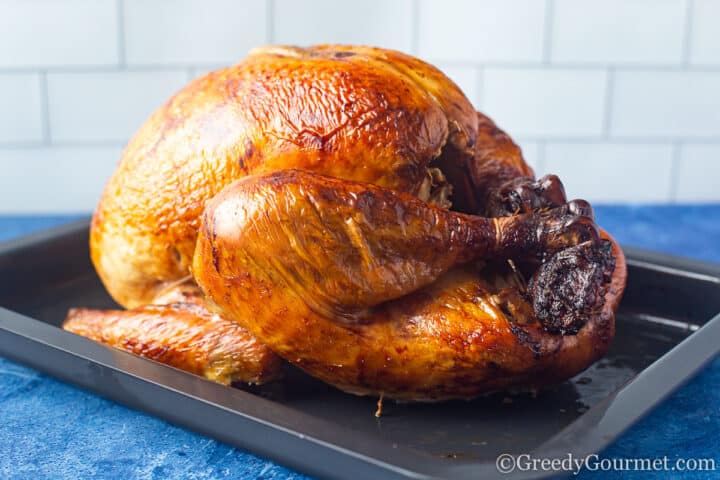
249	151
525	195
570	287
211	232
527	339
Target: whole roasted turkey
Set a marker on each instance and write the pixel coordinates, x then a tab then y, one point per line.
347	210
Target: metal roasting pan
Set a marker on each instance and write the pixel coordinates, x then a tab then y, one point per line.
667	329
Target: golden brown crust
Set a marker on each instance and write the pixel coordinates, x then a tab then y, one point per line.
354	113
364	289
351	112
496	148
184	335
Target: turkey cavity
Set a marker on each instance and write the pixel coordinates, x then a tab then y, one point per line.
435	188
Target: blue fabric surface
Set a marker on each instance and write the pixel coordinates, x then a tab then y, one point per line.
51	430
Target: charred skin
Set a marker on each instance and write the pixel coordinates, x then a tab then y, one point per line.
375	291
570	288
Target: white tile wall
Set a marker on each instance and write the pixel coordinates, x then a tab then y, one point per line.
481	30
44	33
606	172
467	78
189	31
106	106
21	116
200	71
699	174
621	31
705	35
374	22
629	87
546	103
666	104
54	180
532	152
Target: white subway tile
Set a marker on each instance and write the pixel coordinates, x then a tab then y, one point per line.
106	106
705	38
379	23
20	109
54	180
467	78
58	33
618	31
196	72
698	174
612	173
531	154
537	103
188	31
666	104
484	30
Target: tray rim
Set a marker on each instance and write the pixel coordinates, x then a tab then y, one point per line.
313	445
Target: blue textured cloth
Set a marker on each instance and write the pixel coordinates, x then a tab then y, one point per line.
52	430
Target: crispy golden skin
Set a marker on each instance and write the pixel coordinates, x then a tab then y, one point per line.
358	113
344	246
364	116
184	335
366	289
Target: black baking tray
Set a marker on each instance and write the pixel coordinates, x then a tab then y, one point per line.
667	329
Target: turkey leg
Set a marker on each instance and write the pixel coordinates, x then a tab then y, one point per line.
347	246
504	184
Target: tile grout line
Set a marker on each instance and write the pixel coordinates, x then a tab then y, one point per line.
520	138
609	92
542	153
120	10
270	21
675	171
548	31
667	140
480	85
90	69
415	27
62	144
45	108
483	83
594	67
687	34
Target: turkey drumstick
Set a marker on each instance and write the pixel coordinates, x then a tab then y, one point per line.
315	266
345	246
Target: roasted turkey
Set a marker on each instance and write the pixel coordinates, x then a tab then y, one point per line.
347	210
